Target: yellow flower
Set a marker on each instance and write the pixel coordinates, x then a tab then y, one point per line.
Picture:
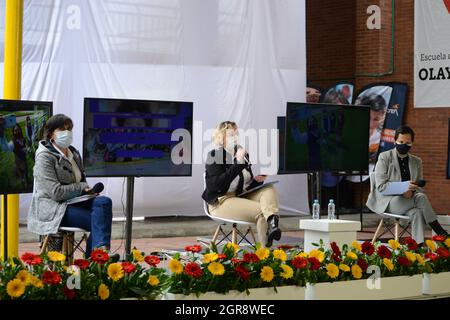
36	282
210	257
388	263
356	271
447	242
356	245
411	256
287	271
430	244
56	256
115	271
266	274
24	276
262	253
333	270
420	259
216	268
233	245
137	255
175	266
15	288
319	255
280	255
394	244
352	255
153	281
103	291
302	255
344	267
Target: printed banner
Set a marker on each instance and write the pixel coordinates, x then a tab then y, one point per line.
432	53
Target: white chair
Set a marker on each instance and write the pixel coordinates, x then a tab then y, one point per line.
389	216
235	232
69	243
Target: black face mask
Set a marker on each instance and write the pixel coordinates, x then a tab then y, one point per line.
402	148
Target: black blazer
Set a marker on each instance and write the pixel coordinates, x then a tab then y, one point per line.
221	169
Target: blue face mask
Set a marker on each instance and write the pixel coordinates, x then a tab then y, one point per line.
402	148
64	138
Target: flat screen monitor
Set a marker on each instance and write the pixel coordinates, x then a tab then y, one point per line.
137	138
327	137
281	126
21	128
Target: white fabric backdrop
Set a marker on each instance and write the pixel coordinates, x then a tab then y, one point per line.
239	60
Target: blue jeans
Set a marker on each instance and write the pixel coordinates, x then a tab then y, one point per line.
94	216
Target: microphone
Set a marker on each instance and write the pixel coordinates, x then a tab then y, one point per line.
97	188
421	183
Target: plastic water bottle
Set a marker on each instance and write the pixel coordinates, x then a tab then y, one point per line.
316	210
331	210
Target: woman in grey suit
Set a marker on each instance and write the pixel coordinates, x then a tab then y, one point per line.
59	176
399	165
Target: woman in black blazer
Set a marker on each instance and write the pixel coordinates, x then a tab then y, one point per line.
228	174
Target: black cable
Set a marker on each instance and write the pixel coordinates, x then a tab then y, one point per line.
123	213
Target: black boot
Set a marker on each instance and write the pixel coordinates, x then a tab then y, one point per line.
436	226
273	231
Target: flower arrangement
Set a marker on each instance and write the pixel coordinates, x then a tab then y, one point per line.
47	277
213	270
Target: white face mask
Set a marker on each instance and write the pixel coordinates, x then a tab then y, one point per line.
64	138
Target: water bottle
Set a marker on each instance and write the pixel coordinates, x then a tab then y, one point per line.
331	210
316	210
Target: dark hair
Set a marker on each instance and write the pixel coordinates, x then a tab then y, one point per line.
375	101
335	97
404	130
58	121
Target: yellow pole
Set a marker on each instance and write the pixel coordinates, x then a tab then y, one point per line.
12	90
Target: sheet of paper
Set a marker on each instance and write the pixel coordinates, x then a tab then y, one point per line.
396	188
81	198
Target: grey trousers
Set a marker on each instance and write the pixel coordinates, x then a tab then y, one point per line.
418	208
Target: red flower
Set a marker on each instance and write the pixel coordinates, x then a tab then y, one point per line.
315	264
128	267
363	264
439	238
242	272
384	252
250	258
299	262
336	249
235	261
431	256
99	256
69	293
81	263
336	258
193	269
31	259
221	256
403	261
367	248
51	277
443	252
195	248
412	244
152	260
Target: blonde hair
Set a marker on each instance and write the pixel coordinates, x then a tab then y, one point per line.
220	132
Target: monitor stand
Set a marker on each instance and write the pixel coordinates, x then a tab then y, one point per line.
129	215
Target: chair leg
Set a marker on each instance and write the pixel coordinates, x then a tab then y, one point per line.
44	244
396	229
70	247
377	232
64	246
253	235
234	234
216	234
